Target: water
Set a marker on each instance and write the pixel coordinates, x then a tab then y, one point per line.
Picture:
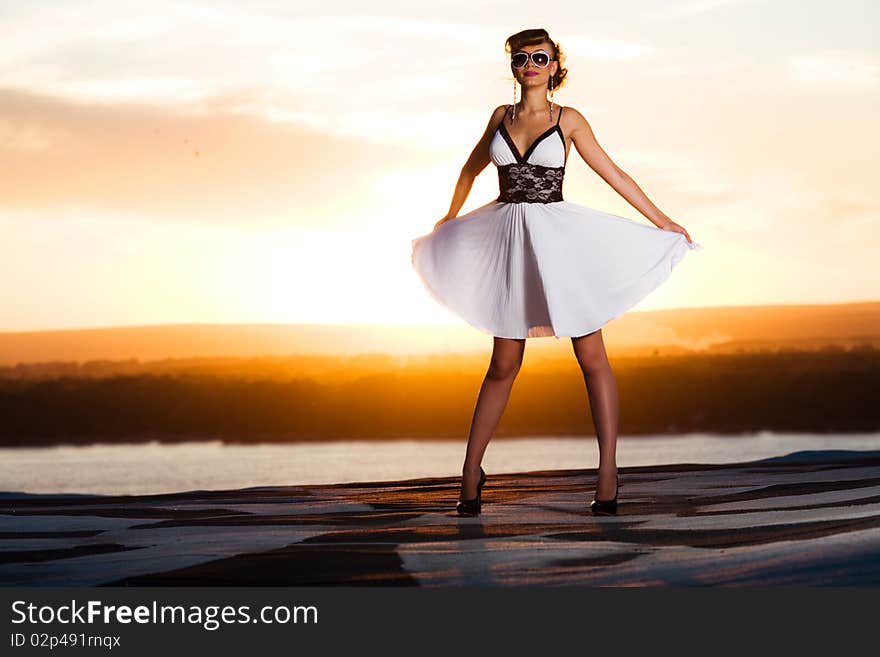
161	468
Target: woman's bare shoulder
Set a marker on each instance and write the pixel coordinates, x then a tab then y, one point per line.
499	112
573	120
496	118
573	114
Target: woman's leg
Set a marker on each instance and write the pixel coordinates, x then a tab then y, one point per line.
602	390
507	354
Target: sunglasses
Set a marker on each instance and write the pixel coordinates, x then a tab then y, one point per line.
539	58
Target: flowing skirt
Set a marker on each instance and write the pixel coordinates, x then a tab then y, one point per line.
525	270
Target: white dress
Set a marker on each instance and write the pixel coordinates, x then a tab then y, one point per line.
530	264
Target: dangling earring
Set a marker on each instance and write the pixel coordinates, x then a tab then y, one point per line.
514	101
552	95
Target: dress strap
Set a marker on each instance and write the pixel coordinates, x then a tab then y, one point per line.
559	116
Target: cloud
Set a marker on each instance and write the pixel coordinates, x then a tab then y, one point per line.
687	172
673	11
601	48
835	69
174	51
695	67
216	166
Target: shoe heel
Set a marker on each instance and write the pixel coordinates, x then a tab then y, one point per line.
606	507
473	507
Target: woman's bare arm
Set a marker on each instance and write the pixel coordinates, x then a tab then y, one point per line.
478	160
598	160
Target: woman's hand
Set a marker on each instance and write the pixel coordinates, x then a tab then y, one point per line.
675	228
444	219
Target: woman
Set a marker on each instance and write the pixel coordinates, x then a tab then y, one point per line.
530	264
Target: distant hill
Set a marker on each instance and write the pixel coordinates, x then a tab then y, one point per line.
681	330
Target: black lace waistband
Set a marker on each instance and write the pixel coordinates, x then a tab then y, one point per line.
522	182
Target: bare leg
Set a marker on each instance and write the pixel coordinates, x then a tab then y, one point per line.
602	390
507	354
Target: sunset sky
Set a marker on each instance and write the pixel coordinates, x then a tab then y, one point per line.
247	162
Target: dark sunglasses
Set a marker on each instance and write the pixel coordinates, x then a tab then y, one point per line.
539	58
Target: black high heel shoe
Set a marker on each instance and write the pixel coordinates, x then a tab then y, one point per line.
472	507
606	507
